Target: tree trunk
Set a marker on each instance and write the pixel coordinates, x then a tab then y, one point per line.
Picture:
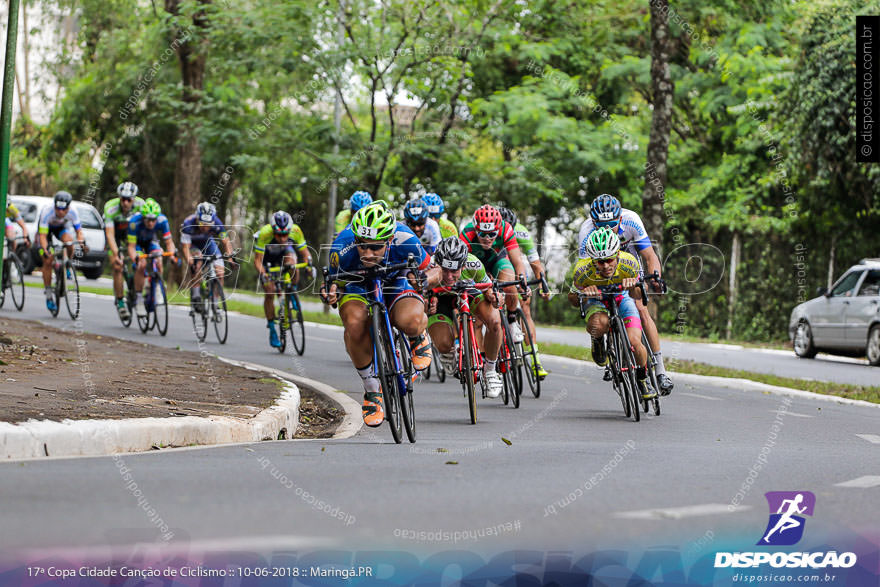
188	171
831	262
735	249
662	88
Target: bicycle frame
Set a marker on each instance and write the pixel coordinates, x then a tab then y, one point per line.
377	303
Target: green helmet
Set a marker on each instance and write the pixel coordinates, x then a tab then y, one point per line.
603	243
374	222
151	208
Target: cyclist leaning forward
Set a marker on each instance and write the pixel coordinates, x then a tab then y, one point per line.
528	248
59	222
117	213
606	264
456	264
376	239
198	237
605	210
144	231
275	245
491	240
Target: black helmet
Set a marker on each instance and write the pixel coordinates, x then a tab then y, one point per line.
63	199
451	253
508	215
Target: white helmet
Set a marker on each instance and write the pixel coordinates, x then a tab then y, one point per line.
127	189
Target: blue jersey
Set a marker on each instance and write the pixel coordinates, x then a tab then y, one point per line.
192	233
139	234
344	256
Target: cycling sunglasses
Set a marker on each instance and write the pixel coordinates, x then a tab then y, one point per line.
612	224
487	234
282	232
411	223
371	246
604	261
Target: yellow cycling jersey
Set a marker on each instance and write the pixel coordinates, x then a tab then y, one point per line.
12	212
586	273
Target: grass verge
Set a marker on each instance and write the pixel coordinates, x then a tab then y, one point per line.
861	392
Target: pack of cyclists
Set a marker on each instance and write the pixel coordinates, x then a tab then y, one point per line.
613	249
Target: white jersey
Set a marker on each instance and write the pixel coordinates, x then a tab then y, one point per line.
632	233
431	236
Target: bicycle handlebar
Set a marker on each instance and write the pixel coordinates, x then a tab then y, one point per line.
367	271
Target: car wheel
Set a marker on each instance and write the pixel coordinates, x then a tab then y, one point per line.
93	272
873	350
803	341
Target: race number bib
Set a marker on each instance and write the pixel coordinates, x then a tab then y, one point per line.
486	226
367	231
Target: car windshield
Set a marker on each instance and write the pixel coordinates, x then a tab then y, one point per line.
27	209
87	217
871	285
846	285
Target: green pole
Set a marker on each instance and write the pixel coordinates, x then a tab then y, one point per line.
6	110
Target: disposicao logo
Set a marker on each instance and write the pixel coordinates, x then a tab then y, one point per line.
785	528
786	525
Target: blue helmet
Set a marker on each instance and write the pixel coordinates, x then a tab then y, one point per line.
358	200
281	222
416	211
435	205
605	210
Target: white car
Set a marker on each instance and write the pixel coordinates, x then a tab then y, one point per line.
90	263
844	320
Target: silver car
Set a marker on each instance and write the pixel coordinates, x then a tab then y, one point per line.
843	320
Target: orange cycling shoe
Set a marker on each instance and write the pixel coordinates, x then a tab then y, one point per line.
372	410
421	352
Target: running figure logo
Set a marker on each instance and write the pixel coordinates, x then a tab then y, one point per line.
786	526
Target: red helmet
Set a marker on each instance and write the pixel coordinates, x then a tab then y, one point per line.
487	218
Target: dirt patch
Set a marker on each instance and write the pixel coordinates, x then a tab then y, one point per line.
52	374
319	416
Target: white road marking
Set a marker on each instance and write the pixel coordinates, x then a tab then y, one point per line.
794	414
682	512
872	438
714	399
861	482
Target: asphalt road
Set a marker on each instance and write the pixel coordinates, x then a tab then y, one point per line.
575	474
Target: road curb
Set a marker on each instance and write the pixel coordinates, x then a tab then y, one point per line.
351	422
739	384
46	438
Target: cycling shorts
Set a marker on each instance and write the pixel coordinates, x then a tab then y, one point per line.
626	308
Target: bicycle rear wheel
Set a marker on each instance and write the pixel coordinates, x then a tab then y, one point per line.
467	370
295	323
199	316
511	373
16	281
529	359
437	364
387	377
217	299
160	305
127	298
406	401
71	297
58	291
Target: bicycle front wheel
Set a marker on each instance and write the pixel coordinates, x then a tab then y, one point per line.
408	411
467	368
217	299
16	281
628	370
387	377
437	364
295	323
529	359
71	293
199	317
160	305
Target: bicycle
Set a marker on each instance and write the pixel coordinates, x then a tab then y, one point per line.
440	373
62	272
391	351
530	358
652	360
469	363
289	311
127	289
621	355
509	361
155	300
213	301
13	275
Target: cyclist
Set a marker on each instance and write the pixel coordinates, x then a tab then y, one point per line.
435	210
415	213
13	217
491	240
145	229
117	213
375	238
59	221
456	264
605	210
358	200
198	237
528	248
606	264
275	245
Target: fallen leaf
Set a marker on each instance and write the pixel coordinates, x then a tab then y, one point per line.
507	442
442	450
451	462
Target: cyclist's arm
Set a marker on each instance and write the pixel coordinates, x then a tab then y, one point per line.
227	245
110	232
517	260
258	263
132	252
185	251
163	227
652	262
